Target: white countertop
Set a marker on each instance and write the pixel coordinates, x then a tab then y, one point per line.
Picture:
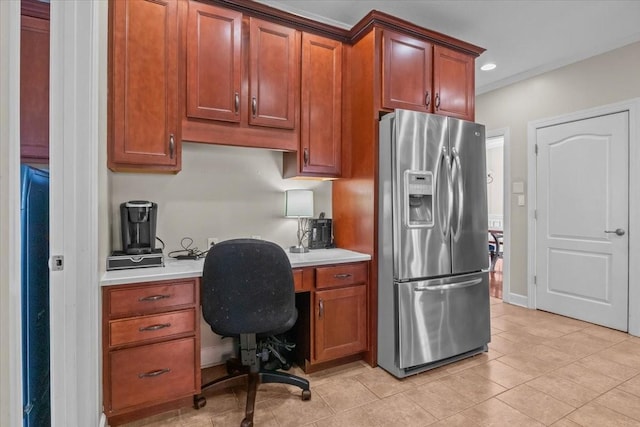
180	269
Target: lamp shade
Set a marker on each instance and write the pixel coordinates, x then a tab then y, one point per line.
298	204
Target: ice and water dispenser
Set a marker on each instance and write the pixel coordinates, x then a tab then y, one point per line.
418	199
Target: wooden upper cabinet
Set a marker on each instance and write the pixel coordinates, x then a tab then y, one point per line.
242	80
213	44
34	82
320	110
406	72
454	83
143	97
274	77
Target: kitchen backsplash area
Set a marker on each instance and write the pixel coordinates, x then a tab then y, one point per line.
223	192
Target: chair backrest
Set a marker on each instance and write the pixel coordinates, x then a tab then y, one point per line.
247	287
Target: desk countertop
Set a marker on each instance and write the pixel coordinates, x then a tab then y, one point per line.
174	269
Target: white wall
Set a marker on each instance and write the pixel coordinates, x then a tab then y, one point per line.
600	80
223	192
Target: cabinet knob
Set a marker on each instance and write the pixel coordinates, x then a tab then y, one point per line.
254	106
305	156
427	99
172	146
236	102
437	101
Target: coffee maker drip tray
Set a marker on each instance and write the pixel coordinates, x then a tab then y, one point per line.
120	260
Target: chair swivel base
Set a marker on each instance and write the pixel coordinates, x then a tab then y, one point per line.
253	379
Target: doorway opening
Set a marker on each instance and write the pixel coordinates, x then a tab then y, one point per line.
495	202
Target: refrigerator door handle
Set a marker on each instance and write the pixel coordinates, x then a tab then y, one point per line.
449	286
460	190
444	157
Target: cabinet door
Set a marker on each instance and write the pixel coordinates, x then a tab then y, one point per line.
213	62
321	105
406	72
145	130
34	82
454	83
274	74
340	322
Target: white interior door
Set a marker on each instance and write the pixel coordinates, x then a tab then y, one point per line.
582	198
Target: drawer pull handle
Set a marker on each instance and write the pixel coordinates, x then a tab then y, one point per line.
320	308
155	327
342	276
154	298
155	373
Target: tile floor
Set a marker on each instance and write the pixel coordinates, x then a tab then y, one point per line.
541	369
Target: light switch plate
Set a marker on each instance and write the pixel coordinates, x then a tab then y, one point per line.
520	199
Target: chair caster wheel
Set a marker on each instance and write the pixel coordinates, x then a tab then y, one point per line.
246	423
199	402
306	394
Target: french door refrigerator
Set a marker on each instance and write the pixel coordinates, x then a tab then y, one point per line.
433	280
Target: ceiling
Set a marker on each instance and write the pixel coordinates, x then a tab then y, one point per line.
522	37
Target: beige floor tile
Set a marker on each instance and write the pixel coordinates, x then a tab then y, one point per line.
626	353
565	422
536	404
473	386
502	374
429	376
521	335
595	415
470	362
621	401
439	399
295	412
564	390
600	363
551	355
392	411
579	344
527	363
344	393
632	386
606	333
261	417
587	377
457	420
496	413
505	346
504	324
383	384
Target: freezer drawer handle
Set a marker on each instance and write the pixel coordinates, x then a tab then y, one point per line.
342	276
449	286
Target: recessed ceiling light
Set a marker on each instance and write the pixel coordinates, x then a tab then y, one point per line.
488	67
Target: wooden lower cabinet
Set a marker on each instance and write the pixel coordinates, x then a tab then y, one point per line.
151	347
340	322
332	321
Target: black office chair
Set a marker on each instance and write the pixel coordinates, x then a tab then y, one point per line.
248	292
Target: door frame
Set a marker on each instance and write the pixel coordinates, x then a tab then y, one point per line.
507	296
631	106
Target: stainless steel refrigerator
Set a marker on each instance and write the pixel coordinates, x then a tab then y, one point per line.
433	280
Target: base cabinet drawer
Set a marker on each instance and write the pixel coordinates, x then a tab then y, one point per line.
152	373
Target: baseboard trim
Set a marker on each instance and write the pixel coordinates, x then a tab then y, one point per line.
516	299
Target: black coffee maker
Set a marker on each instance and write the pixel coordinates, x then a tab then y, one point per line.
138	222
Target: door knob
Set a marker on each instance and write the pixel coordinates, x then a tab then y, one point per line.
617	231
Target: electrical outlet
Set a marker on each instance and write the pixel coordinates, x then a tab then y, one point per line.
212	241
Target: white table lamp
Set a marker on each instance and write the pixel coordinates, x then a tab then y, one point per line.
299	204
